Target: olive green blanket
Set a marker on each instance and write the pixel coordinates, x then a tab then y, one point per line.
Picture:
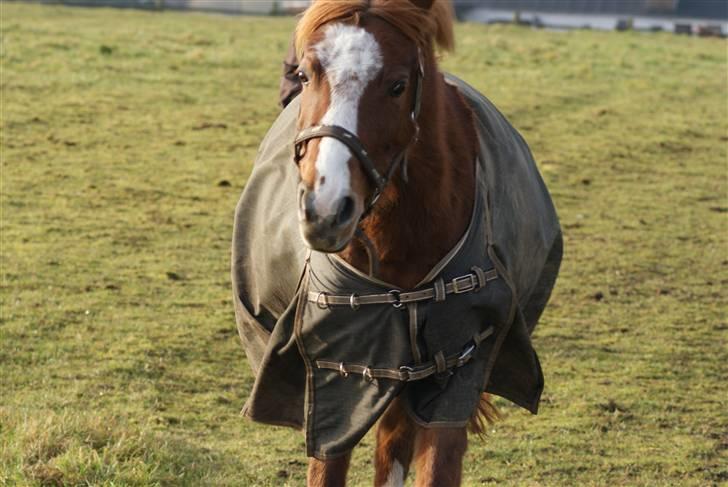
328	361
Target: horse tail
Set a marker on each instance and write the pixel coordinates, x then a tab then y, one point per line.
486	413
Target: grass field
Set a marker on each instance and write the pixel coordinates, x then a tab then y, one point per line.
127	138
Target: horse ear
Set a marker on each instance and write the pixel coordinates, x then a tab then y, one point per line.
423	4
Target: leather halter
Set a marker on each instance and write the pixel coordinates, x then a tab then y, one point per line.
354	144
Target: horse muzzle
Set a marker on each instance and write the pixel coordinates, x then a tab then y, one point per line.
329	233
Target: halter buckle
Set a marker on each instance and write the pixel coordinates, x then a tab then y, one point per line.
342	370
354	301
367	373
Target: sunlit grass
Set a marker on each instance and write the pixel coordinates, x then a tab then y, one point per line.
119	361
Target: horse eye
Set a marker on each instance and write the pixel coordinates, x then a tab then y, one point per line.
302	77
397	89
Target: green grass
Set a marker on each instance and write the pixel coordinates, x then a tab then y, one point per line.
119	361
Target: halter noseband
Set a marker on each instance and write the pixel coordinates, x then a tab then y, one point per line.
354	144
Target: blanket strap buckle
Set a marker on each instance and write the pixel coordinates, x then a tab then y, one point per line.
404	372
322	304
342	370
354	301
396	296
468	283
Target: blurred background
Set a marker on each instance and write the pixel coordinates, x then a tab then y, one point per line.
709	17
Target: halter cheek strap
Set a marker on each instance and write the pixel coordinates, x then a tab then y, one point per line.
415	111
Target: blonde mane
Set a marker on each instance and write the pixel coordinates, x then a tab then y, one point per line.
421	26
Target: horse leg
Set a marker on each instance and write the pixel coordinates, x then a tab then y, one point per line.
328	473
439	456
395	445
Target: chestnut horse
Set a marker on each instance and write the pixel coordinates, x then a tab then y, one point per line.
369	68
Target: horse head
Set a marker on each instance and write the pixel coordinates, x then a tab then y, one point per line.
362	66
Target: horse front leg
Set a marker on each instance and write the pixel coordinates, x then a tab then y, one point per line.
328	473
395	446
439	456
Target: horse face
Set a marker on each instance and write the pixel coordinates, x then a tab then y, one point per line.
358	77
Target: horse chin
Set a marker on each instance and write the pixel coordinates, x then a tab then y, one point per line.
329	243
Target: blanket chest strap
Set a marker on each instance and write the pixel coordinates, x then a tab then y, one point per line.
408	373
473	281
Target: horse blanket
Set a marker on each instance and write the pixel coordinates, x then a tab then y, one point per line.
331	347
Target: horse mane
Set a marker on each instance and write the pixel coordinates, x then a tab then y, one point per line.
422	26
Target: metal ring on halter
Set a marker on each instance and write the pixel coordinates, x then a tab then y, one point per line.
375	196
397	303
325	305
413	117
367	375
353	301
342	370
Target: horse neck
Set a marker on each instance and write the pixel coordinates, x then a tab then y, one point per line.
421	220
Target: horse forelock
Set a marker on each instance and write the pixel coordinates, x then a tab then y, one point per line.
422	26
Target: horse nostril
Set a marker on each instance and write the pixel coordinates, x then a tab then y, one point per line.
346	210
306	205
308	213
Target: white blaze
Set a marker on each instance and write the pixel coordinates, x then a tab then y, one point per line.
351	58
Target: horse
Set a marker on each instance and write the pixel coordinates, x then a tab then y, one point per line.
388	188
